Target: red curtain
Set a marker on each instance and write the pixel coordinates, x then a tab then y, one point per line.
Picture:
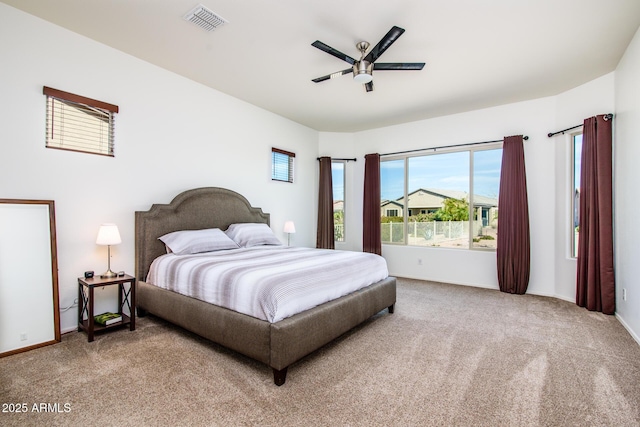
595	285
324	234
371	237
513	252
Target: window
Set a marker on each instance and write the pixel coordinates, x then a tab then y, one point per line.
486	186
576	148
392	189
449	200
77	123
337	177
282	165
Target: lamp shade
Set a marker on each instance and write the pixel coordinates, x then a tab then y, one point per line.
108	234
289	227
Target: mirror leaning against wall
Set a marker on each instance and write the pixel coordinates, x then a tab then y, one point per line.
29	307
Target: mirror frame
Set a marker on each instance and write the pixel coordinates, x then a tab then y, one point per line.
54	271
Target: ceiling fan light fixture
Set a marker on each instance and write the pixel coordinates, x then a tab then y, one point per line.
362	72
363	68
363	78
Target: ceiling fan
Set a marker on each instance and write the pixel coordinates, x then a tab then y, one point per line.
363	69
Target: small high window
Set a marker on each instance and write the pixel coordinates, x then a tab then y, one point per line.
282	165
77	123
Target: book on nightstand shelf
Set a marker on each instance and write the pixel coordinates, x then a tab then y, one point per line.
108	318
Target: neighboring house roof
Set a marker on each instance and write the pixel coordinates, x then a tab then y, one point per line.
338	205
391	202
485	201
431	198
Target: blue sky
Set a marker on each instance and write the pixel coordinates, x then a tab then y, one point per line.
337	178
577	156
447	171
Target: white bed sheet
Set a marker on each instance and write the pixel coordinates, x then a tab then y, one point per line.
268	282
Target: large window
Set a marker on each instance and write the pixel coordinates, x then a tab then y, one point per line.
76	123
450	199
337	177
576	148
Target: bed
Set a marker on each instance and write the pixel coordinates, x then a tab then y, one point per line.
277	344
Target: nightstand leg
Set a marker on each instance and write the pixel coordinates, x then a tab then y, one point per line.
80	307
90	320
120	292
132	293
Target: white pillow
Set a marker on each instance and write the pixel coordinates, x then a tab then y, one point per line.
197	241
252	234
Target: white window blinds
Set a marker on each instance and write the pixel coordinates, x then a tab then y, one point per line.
282	165
80	124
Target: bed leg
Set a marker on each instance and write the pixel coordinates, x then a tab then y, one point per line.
141	312
279	376
392	308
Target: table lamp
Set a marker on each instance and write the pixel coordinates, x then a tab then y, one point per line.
108	234
289	228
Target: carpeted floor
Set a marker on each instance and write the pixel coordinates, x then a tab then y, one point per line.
449	356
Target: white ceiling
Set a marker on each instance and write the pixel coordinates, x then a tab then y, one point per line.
477	53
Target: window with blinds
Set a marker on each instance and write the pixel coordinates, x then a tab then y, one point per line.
282	165
77	123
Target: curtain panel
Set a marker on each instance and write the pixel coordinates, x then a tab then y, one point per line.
513	251
324	234
371	234
595	284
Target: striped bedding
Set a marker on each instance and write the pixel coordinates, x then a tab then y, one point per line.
268	282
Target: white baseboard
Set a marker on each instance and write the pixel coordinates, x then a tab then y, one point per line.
626	326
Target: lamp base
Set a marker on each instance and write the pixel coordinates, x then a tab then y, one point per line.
108	274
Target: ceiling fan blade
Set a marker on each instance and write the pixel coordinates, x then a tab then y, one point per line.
332	51
399	66
384	44
332	75
369	86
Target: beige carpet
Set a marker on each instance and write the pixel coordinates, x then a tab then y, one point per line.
449	356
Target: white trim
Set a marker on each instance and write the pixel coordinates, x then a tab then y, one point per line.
628	328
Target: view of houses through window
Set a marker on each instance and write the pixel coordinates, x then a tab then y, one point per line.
442	199
575	200
337	177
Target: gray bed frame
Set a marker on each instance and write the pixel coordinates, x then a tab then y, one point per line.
276	344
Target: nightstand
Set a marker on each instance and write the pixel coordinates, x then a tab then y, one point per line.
126	296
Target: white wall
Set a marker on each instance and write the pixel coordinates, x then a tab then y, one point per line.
627	183
172	134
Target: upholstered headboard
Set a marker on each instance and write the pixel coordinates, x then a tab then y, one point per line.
208	207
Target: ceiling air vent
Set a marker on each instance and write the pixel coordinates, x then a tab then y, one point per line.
204	18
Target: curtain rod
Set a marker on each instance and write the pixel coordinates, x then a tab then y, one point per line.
606	117
447	146
346	160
